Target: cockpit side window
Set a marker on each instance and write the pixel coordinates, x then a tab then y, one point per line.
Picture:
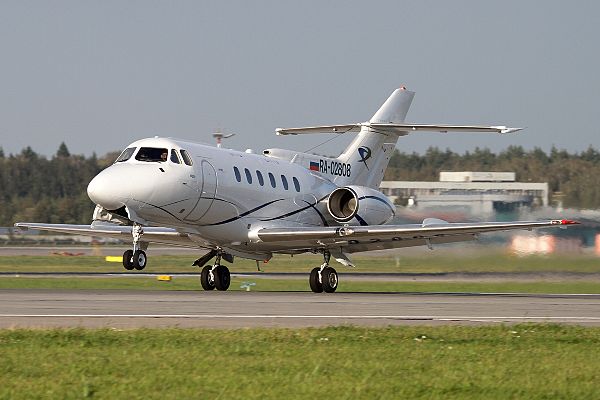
175	157
152	154
186	157
126	154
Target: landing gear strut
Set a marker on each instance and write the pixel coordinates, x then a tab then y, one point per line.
323	278
216	276
135	258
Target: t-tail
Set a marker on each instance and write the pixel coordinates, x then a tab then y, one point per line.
369	153
364	161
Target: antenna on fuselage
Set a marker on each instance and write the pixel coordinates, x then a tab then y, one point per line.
219	136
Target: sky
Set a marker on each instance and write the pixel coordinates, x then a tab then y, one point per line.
101	74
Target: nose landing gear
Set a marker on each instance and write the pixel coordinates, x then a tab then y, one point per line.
136	258
216	276
323	278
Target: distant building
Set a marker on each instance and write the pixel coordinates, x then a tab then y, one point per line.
473	192
470	176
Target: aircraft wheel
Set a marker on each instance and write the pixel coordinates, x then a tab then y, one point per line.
329	279
222	277
139	260
128	260
207	282
315	285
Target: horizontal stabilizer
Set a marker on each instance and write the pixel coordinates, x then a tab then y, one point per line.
319	129
400	129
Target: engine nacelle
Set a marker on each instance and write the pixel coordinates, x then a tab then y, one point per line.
368	206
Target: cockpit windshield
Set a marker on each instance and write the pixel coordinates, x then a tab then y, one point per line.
152	154
126	154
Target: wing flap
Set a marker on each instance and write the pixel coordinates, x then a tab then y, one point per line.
151	234
399	232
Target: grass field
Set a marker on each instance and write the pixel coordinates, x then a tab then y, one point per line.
178	283
449	362
425	261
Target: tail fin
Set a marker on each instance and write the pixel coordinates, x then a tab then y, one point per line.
369	153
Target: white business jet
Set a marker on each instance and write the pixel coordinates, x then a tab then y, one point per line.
239	204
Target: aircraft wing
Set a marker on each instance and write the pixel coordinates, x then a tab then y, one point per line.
400	129
159	235
363	238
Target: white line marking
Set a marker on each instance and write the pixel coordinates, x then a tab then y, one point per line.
262	316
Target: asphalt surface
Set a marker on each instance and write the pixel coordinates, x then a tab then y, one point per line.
36	308
344	276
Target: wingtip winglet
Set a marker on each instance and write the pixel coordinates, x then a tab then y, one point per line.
504	129
565	222
569	222
21	226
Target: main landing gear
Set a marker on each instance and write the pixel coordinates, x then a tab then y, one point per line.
324	278
136	258
215	276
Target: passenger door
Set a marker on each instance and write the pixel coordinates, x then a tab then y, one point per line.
207	184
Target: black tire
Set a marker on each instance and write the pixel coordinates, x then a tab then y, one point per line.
315	285
329	278
128	260
139	260
222	277
205	281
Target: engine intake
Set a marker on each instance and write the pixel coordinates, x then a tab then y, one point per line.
343	204
368	206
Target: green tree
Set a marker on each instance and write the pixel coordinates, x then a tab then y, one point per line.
63	151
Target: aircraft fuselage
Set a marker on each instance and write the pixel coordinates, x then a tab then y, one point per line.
220	198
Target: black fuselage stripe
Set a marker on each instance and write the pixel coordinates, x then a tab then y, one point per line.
360	220
296	211
242	215
289	214
161	209
323	220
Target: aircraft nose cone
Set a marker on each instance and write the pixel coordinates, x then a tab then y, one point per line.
104	190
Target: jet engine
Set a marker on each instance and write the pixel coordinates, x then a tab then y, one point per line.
368	206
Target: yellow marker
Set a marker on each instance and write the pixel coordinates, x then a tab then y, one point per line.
114	258
165	278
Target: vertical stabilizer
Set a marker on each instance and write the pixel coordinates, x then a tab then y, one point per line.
369	153
395	108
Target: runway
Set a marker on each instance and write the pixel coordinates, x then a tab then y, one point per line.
36	308
561	276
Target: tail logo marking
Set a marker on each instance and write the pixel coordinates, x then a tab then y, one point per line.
365	153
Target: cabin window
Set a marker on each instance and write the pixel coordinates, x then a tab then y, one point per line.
272	179
261	180
174	157
186	157
152	154
296	184
285	182
238	176
126	154
248	175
